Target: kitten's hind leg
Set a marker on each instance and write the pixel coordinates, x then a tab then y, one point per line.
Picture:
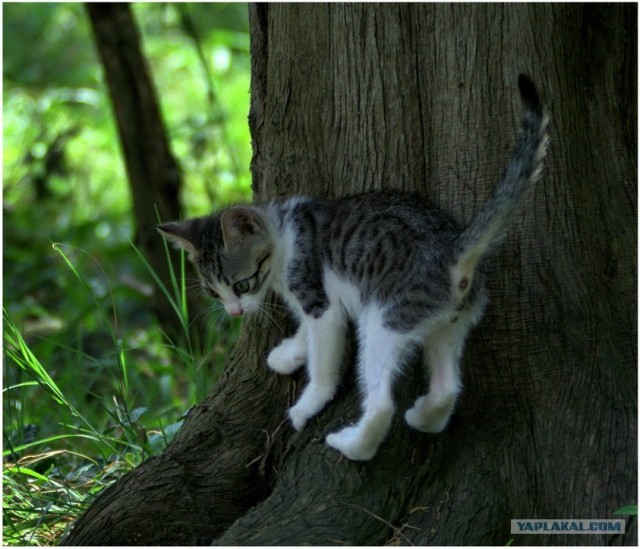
291	353
441	355
325	338
380	353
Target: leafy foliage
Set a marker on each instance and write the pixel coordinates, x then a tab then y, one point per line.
91	385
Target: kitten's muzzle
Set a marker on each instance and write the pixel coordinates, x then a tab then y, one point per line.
235	310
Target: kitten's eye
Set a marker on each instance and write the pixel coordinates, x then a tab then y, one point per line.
213	294
241	287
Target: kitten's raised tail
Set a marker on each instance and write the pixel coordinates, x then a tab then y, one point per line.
524	167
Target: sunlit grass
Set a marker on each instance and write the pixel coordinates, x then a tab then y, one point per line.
91	384
39	506
48	480
39	499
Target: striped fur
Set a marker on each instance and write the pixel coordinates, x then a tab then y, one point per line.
389	261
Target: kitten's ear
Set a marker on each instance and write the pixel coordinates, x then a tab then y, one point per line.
240	224
181	234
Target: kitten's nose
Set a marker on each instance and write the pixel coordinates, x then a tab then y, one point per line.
236	311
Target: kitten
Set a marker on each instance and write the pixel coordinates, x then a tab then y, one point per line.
388	260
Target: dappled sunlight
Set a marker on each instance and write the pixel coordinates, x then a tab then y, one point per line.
78	295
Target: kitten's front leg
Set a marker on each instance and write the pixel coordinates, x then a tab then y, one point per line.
291	353
325	338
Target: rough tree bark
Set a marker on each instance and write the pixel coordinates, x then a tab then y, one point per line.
352	97
153	173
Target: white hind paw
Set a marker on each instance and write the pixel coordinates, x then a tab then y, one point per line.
353	443
431	415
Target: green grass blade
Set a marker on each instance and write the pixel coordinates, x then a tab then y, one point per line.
122	362
176	305
53	438
26	471
20	386
113	331
18	350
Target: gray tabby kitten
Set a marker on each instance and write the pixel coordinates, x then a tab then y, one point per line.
388	260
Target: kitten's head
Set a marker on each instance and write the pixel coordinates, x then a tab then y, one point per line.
232	253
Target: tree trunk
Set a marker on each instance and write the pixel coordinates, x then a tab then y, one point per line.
350	97
153	173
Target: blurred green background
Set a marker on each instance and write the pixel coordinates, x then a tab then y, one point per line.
74	288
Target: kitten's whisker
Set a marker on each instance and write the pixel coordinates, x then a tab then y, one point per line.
265	314
194	291
218	314
210	309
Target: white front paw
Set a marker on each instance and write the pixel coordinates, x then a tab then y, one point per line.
429	414
287	357
353	443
